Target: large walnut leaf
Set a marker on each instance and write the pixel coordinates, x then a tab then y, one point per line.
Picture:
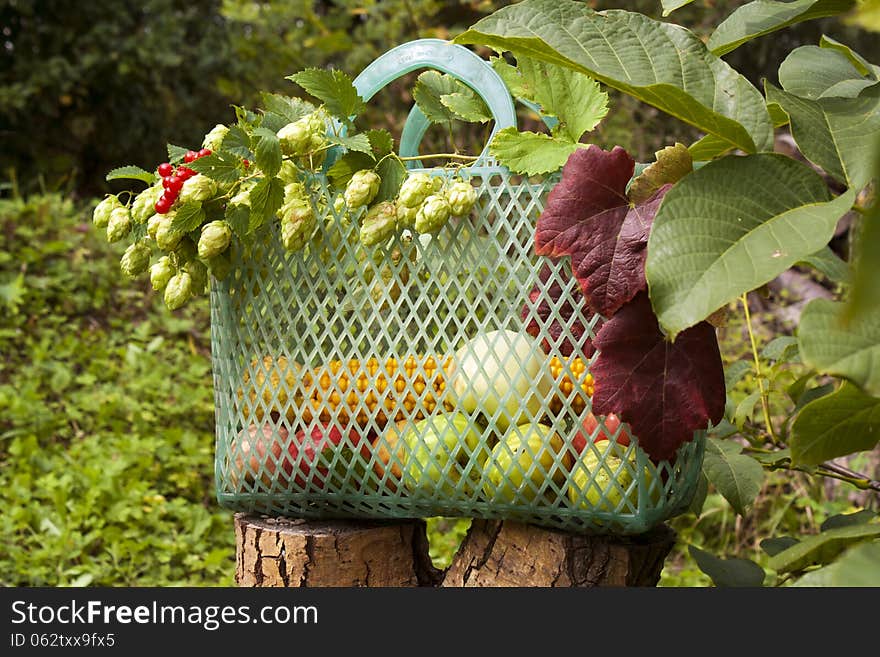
664	390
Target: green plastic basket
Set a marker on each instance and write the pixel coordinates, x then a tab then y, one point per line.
328	368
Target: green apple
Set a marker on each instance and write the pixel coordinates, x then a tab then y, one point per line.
436	451
513	458
501	369
613	479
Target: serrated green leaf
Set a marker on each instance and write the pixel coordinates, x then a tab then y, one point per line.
381	142
175	153
132	173
530	153
238	218
780	348
732	226
734	372
288	108
359	143
188	217
822	548
347	165
837	134
737	477
765	16
467	106
219	166
334	88
430	87
812	73
728	572
839	424
265	197
247	119
773	546
237	142
661	64
829	264
392	173
267	151
513	79
858	566
848	519
671	165
831	347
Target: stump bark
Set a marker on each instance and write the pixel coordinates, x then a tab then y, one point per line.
292	553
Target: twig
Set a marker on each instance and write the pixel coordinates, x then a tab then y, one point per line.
765	399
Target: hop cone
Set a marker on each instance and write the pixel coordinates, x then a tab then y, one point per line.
379	223
161	272
214	239
433	214
101	216
178	291
361	189
461	196
119	224
135	260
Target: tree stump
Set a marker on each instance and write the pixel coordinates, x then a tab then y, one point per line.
506	553
292	553
342	553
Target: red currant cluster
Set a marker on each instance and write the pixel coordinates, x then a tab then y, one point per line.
173	179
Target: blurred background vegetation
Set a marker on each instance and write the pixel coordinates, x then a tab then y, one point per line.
106	415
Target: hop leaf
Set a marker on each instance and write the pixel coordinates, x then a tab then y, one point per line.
333	88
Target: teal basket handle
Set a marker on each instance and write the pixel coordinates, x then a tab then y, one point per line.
446	57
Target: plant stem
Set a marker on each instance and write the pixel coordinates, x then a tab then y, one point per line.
451	156
765	398
830	471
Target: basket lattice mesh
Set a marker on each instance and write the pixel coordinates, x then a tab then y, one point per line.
338	392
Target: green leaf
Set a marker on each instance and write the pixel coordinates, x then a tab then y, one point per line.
265	197
359	143
837	134
699	499
728	572
132	173
513	79
530	153
347	165
773	546
334	88
745	409
765	16
670	6
734	372
732	226
812	73
393	173
867	15
811	394
862	65
858	566
467	106
848	519
822	548
737	477
428	91
176	153
219	166
661	64
237	142
238	218
709	147
188	217
267	151
287	108
772	458
381	142
839	424
851	351
572	97
671	165
830	265
781	348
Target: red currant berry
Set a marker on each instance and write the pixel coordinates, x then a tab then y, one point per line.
163	205
246	162
205	152
190	156
173	184
165	169
185	173
165	182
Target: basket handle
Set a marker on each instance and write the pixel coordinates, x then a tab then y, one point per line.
446	57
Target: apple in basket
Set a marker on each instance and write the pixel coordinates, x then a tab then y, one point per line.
605	474
259	452
312	453
590	432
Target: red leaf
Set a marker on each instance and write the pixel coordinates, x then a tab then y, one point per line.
664	390
588	217
545	297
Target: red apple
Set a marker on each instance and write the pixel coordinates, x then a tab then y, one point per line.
590	427
253	448
317	448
